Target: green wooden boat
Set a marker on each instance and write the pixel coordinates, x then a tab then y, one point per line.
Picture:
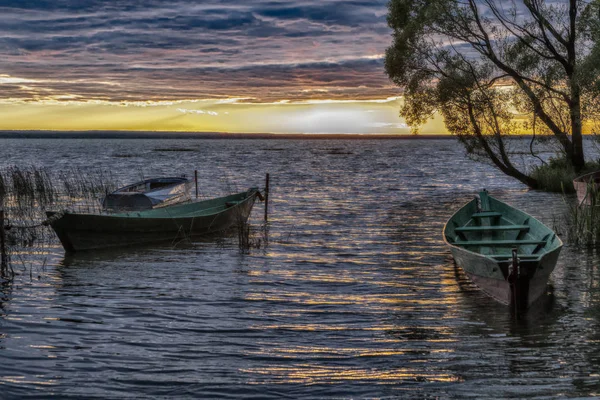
507	253
81	232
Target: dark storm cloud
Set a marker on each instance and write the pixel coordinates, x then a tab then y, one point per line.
165	49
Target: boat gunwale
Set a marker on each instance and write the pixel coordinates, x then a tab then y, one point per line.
248	195
122	190
490	257
582	178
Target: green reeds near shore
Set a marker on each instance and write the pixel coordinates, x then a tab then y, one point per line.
27	192
582	221
36	187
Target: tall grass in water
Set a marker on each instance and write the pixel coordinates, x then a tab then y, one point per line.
27	192
251	237
582	222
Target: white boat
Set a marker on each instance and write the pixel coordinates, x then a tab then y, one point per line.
149	194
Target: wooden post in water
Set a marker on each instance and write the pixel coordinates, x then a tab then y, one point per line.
196	180
267	198
4	257
513	280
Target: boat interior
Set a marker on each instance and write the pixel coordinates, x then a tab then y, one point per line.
150	185
493	229
194	209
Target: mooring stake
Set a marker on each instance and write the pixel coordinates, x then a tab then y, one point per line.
196	180
514	280
267	197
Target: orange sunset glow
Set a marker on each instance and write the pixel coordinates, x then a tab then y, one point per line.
230	115
256	67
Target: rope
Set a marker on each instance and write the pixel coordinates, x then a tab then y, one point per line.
46	222
9	226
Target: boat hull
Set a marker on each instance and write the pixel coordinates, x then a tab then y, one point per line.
491	277
84	232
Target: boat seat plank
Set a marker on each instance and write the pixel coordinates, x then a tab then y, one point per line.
492	228
540	246
486	214
520	256
498	242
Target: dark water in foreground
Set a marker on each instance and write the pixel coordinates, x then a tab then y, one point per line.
355	295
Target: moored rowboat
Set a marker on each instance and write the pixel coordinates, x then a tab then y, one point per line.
506	252
80	232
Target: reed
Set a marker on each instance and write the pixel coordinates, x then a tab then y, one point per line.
45	191
582	222
251	237
27	192
243	231
3	190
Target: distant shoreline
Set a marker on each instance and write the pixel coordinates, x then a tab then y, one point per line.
200	135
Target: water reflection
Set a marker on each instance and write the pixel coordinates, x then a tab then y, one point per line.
355	295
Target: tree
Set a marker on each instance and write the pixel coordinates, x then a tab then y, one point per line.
494	68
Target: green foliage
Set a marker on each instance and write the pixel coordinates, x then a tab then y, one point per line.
582	223
494	69
558	174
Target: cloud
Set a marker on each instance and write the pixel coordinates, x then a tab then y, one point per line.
134	50
187	111
394	125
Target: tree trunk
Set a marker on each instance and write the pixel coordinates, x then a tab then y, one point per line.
577	158
510	170
506	166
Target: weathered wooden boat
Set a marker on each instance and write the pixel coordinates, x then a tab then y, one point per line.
507	253
81	232
148	194
586	187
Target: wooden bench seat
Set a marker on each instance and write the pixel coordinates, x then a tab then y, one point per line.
499	242
486	214
501	257
493	228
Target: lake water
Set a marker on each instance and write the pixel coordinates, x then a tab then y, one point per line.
354	296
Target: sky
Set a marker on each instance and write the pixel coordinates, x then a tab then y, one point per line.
268	66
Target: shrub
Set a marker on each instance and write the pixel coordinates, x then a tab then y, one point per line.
558	174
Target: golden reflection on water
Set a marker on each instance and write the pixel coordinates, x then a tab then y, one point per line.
342	276
343	327
39	346
311	374
307	351
22	380
331	299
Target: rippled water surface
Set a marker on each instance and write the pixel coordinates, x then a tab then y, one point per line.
353	296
